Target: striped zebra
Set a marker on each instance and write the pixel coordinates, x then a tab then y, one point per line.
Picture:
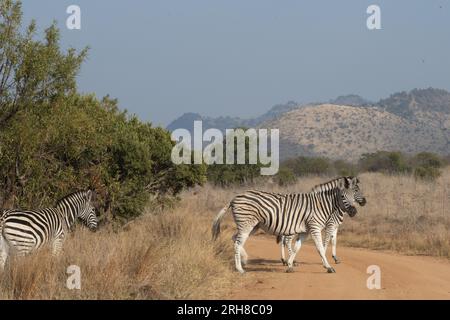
286	242
24	231
288	214
331	226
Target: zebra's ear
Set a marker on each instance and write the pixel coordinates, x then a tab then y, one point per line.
355	181
89	195
347	182
341	183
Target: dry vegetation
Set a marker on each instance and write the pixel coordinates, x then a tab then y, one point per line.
169	254
344	132
402	214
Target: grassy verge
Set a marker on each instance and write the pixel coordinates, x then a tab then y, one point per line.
170	255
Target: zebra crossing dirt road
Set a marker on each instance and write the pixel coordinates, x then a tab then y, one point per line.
402	277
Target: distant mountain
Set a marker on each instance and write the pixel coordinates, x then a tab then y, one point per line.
351	100
346	132
348	126
411	104
186	121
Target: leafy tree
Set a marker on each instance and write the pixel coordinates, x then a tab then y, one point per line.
32	72
427	165
344	168
384	161
286	176
428	159
234	174
303	166
54	140
426	173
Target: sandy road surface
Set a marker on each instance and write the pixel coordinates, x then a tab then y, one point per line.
402	277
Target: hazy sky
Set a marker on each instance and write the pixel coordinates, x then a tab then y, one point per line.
240	57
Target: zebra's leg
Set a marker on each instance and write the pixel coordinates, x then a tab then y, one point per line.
328	236
333	246
57	246
239	242
244	255
298	244
317	237
4	252
283	255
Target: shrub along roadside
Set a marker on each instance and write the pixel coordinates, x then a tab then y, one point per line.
54	140
424	166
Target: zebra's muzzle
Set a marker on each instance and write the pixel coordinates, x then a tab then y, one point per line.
363	202
351	211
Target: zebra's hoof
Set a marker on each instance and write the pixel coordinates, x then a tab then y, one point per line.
244	262
295	264
336	260
331	270
241	271
290	270
284	262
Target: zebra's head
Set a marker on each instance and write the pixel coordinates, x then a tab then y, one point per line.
87	215
79	205
351	195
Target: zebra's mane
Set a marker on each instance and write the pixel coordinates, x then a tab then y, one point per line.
329	184
76	193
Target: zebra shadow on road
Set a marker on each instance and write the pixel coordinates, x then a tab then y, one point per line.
271	265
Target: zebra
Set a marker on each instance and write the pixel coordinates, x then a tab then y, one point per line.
330	234
331	225
288	214
27	230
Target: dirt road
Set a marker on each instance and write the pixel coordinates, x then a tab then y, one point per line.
402	277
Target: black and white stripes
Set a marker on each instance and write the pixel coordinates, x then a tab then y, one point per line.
26	230
331	225
289	214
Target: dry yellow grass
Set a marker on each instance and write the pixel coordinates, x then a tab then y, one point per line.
170	255
402	214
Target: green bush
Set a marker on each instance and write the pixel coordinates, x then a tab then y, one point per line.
427	166
392	162
285	176
428	160
446	160
226	175
54	140
304	166
344	168
427	173
424	165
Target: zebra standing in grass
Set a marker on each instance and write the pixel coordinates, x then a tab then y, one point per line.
25	231
331	225
288	214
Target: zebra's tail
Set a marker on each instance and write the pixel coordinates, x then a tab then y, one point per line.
2	219
3	215
217	220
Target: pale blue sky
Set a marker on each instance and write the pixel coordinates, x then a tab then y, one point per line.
240	57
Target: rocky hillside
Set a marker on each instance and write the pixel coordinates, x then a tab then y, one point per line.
413	104
350	125
346	132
